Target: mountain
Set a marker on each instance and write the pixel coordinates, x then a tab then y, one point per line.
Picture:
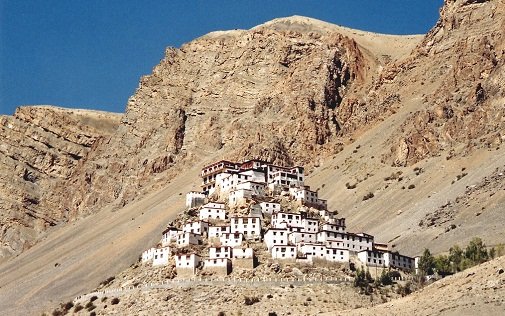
40	147
416	120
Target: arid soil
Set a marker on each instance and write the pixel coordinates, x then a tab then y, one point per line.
477	291
230	299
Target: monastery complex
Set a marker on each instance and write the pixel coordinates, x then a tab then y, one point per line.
256	202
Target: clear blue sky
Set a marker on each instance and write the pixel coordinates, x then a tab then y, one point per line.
91	54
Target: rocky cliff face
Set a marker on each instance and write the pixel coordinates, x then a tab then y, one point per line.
40	147
272	92
461	60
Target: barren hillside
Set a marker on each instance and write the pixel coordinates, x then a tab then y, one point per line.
40	147
476	291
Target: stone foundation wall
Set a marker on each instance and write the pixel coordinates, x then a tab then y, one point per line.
244	263
218	270
185	272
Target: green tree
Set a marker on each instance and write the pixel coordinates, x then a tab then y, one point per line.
476	251
359	279
492	253
368	276
427	262
442	264
385	278
456	257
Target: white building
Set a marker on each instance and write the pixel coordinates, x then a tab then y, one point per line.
231	239
291	219
211	172
217	231
315	250
416	263
270	207
228	181
310	225
169	235
187	263
350	241
337	254
186	239
161	256
250	227
213	211
148	255
395	260
305	196
371	258
284	177
194	199
198	227
283	252
254	174
246	253
276	236
335	244
245	191
333	228
302	237
220	252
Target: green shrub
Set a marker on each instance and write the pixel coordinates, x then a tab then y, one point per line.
385	278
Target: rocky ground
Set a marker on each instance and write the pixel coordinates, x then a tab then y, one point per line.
144	273
40	146
477	291
239	300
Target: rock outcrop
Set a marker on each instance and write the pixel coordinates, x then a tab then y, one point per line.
272	92
461	60
40	147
